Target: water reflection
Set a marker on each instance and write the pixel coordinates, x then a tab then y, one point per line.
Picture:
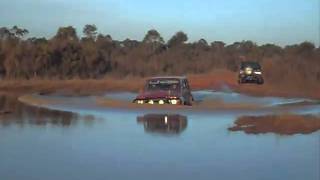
20	114
169	124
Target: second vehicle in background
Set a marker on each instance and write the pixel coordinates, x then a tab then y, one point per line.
250	72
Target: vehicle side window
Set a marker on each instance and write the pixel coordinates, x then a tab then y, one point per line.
183	84
187	85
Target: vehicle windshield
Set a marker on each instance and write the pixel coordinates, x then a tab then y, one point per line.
253	65
162	84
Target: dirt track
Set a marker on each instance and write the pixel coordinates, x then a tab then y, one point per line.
217	80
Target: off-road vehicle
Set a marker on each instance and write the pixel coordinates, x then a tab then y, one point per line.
250	72
173	90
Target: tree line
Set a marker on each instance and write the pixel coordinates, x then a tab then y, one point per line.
95	55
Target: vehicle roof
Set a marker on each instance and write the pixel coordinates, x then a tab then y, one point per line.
253	64
249	62
168	77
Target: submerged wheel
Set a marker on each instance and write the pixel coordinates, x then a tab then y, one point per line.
260	81
188	102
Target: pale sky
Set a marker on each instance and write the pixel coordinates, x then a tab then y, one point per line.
282	22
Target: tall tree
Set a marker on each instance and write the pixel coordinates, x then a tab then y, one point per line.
19	32
67	33
5	33
178	39
153	36
14	32
90	31
218	45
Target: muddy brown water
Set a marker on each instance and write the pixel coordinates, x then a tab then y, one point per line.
74	141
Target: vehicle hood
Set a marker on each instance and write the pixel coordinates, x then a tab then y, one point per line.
158	94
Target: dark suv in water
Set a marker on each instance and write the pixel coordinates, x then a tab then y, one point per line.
166	90
250	72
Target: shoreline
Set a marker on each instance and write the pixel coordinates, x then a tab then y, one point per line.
204	105
221	81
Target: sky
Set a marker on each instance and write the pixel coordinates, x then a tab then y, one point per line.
281	22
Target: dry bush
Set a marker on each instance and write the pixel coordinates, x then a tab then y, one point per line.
66	56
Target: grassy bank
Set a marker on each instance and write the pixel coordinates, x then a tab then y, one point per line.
218	80
280	124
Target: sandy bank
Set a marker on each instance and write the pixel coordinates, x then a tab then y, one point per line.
218	80
287	124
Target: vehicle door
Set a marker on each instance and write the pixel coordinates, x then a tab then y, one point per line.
186	93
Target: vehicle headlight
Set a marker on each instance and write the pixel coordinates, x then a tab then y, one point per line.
139	101
150	102
174	101
248	70
257	72
161	102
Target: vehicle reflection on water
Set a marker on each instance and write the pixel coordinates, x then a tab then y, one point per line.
169	124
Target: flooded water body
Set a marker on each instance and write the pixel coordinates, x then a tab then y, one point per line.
72	141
